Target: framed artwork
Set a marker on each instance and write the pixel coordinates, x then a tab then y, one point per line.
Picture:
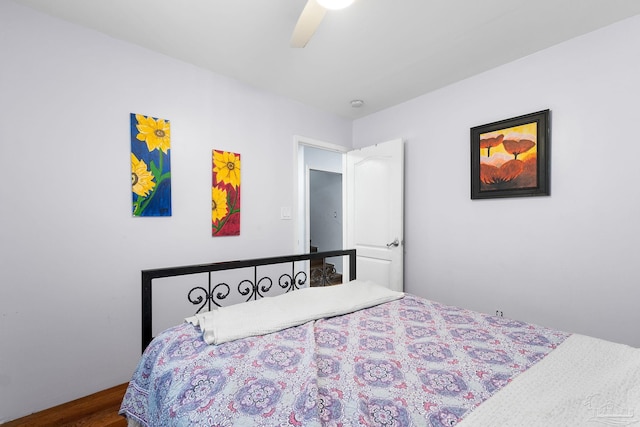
225	194
150	166
510	158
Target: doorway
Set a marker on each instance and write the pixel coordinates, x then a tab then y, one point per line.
375	230
325	212
319	164
320	201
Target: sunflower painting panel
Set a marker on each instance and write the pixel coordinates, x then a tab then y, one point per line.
225	194
150	166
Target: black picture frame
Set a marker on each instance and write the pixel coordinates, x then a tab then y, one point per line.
497	175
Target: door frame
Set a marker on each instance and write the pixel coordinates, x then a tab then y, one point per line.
301	190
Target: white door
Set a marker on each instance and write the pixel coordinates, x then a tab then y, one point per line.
375	212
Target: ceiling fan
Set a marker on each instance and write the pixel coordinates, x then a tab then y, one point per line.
311	17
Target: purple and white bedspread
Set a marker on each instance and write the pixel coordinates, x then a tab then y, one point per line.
409	362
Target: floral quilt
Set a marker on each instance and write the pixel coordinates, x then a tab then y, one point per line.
409	362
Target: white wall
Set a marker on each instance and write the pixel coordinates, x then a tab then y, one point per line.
71	252
571	260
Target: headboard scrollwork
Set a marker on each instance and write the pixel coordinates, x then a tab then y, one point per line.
253	289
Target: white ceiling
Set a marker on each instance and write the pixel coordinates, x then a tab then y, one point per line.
381	51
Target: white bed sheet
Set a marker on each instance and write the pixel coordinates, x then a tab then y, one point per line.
584	382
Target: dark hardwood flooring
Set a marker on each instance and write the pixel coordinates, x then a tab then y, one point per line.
97	410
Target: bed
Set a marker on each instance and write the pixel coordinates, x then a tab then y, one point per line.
360	354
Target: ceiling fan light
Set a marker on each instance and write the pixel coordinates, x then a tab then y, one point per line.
334	4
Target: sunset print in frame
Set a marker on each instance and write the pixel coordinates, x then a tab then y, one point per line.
510	158
225	194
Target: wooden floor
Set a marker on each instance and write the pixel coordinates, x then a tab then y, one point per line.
98	410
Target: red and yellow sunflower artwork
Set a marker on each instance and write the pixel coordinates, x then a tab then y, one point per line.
150	166
225	194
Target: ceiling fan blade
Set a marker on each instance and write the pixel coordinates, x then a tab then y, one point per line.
307	24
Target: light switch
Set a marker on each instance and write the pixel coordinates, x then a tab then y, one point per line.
285	212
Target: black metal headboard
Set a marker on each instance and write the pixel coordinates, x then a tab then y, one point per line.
252	288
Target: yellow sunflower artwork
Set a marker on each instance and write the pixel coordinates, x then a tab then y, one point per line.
150	166
225	194
141	179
